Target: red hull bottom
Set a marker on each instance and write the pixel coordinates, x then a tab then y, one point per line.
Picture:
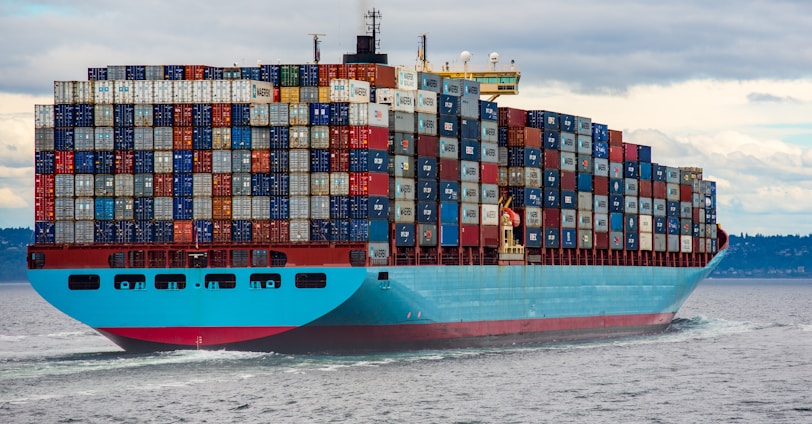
371	338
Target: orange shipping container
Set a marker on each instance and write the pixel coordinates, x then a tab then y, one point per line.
183	231
221	231
260	161
162	185
615	138
221	207
221	115
221	185
182	115
201	161
194	72
182	138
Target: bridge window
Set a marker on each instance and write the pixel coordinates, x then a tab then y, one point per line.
265	281
84	282
170	281
259	258
312	280
130	282
221	281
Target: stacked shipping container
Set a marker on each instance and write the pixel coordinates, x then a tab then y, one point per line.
343	153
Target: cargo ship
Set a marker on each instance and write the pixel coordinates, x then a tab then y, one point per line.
352	207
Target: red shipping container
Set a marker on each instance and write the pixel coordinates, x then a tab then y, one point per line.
601	241
552	218
378	138
324	74
44	208
489	173
427	145
552	159
685	192
532	137
280	231
221	115
695	214
369	184
569	180
43	186
261	231
277	95
221	230
449	169
63	162
489	235
512	117
182	138
183	231
615	138
644	188
124	160
616	153
339	161
600	185
351	70
194	72
162	185
221	207
630	151
221	185
659	190
201	161
339	137
260	161
182	115
359	137
515	137
469	235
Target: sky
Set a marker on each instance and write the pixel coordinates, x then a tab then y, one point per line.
723	85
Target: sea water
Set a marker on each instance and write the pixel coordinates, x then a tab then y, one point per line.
738	351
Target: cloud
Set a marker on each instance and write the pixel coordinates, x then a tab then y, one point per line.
770	98
11	200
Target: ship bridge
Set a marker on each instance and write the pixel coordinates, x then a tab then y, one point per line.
495	80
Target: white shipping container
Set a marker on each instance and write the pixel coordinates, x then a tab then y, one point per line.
182	91
103	115
201	185
372	114
83	232
385	96
320	137
339	183
646	241
490	131
320	207
43	116
104	138
403	188
686	244
469	213
63	92
83	92
163	208
143	114
489	214
406	79
103	92
163	92
202	91
298	114
260	207
104	185
299	207
162	138
83	185
404	211
142	92
123	91
63	185
84	208
352	91
221	91
532	217
646	223
299	138
143	138
249	91
162	161
221	137
259	114
299	184
241	207
404	101
221	161
585	220
278	114
426	101
299	230
319	184
64	232
469	171
124	185
299	160
123	208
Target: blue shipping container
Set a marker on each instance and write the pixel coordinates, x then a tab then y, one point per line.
449	191
469	129
320	160
240	137
319	230
124	232
202	138
600	149
182	161
339	207
144	161
660	225
339	114
279	160
567	123
123	138
84	163
488	111
600	132
104	208
279	184
552	198
449	235
569	238
144	232
427	168
469	149
630	169
532	237
645	171
182	207
426	190
644	154
551	140
143	208
83	115
182	185
378	161
569	199
552	238
585	182
241	231
427	212
240	114
164	231
63	139
449	126
163	115
448	105
319	113
616	203
404	235
123	115
359	160
104	232
279	137
105	162
340	230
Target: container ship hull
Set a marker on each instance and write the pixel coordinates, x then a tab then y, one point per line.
382	308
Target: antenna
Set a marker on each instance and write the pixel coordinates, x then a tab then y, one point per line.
374	27
316	50
421	51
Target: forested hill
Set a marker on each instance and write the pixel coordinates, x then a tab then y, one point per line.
749	257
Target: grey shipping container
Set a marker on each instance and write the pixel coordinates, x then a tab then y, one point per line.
320	207
84	208
104	185
299	160
163	208
299	230
84	185
63	185
123	208
123	185
299	208
143	185
201	207
64	232
83	232
260	207
241	207
569	218
162	138
241	185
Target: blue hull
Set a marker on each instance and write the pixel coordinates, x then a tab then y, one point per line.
377	308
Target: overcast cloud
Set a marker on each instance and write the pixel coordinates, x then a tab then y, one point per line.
726	85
